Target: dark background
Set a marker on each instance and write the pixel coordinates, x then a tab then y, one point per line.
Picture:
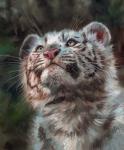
21	17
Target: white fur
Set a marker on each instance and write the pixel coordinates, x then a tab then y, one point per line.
59	117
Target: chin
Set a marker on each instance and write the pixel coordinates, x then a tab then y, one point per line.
54	77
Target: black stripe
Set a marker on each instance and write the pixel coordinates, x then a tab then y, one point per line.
56	100
81	61
87	58
73	70
95	58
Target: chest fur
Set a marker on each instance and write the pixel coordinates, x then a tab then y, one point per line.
70	128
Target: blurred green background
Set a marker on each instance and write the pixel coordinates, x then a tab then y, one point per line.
21	17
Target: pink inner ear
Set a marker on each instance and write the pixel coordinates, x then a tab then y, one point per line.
100	36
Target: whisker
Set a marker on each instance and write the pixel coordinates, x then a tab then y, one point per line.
73	23
12	78
36	26
9	56
28	20
9	63
14	71
66	56
38	68
67	59
12	84
71	58
40	61
39	64
6	59
31	21
77	22
104	71
67	62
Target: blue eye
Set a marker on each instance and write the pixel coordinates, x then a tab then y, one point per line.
71	43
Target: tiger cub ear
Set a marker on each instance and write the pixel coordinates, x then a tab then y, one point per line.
96	31
28	44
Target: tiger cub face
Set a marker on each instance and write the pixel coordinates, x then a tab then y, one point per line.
64	59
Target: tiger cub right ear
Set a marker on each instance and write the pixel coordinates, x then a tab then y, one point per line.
28	44
97	32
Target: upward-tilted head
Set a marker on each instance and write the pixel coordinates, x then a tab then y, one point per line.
65	59
70	79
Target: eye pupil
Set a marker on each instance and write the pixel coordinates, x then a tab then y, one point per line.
71	42
39	48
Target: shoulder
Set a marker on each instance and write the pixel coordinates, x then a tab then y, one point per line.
116	139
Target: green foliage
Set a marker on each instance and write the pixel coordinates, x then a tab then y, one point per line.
116	13
15	117
13	114
6	45
109	11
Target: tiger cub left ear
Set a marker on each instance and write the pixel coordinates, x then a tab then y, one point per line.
96	31
28	44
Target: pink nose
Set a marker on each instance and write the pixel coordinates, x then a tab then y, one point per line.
51	54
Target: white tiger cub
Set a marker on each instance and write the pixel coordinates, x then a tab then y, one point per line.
70	79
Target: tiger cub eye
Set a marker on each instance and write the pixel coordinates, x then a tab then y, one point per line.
71	43
39	48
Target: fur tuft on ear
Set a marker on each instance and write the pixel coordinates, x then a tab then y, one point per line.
96	31
29	42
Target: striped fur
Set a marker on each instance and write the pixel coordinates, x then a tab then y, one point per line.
75	94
